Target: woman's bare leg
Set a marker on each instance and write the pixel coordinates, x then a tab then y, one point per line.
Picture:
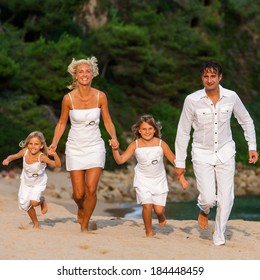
92	179
147	218
78	185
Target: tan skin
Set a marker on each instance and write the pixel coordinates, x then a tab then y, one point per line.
84	182
211	80
148	140
34	149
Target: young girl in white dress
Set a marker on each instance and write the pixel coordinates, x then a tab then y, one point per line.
33	178
150	180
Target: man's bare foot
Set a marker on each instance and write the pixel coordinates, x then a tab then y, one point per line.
44	206
203	220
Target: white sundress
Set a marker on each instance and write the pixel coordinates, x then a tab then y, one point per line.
85	147
150	175
33	182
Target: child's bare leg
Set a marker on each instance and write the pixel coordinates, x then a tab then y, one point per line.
147	218
32	214
159	211
44	207
203	220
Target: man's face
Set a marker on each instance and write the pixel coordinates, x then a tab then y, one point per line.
211	79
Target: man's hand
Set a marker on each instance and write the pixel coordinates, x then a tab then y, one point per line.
253	156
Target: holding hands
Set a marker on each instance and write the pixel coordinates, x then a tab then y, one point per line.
114	144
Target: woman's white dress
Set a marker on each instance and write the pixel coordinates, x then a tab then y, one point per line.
150	175
85	147
33	182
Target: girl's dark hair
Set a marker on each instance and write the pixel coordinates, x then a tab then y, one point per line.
151	121
211	65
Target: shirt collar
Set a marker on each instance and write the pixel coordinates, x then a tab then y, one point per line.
222	93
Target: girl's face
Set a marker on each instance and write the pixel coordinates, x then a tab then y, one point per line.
84	74
147	131
34	145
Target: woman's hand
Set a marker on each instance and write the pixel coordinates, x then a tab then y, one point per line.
51	149
114	144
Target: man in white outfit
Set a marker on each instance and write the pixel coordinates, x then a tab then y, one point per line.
208	112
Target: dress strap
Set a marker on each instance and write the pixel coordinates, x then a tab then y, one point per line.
98	98
71	101
39	157
136	143
160	143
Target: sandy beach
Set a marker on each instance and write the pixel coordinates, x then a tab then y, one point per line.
59	237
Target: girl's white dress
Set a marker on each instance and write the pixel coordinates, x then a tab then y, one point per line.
150	175
33	182
84	147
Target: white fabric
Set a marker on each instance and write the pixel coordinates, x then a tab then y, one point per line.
84	147
212	137
215	184
150	175
149	198
33	182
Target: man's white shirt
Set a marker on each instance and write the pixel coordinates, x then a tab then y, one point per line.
212	137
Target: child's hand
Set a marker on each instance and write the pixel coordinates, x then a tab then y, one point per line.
51	149
184	183
5	162
52	153
113	143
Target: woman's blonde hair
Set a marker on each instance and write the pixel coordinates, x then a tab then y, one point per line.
24	143
72	68
151	121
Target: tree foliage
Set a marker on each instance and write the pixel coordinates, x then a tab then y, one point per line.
149	54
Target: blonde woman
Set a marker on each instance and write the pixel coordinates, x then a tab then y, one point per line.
33	178
85	148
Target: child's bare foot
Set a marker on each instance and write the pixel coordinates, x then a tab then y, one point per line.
162	221
203	220
149	234
44	206
36	225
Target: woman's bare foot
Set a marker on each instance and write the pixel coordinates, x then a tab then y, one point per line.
203	220
92	225
80	215
44	206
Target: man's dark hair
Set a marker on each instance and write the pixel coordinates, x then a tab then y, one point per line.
211	65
